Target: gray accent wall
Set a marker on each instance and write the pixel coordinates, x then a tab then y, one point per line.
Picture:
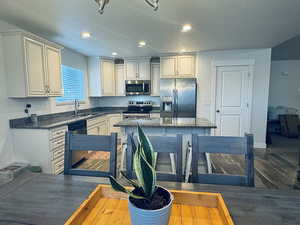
288	50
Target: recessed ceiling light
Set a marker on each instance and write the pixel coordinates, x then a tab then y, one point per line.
114	53
183	50
142	44
186	27
86	35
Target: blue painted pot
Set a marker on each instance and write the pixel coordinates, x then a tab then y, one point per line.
150	217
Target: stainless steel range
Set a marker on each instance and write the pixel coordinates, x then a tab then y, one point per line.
138	110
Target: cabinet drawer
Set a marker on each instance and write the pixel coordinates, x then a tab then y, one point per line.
58	166
58	153
58	132
60	142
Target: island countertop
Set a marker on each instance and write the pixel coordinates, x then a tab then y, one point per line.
168	122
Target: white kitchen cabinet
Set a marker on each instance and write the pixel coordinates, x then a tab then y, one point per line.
53	71
112	120
101	77
144	69
155	79
107	68
132	68
177	66
137	69
97	126
186	65
168	66
41	147
32	66
120	80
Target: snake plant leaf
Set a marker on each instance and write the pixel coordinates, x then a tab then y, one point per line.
120	188
146	174
146	146
133	183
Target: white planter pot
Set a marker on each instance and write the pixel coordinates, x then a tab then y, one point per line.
150	217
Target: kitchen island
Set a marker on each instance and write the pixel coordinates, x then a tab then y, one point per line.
172	127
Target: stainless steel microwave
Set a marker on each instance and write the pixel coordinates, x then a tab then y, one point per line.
138	87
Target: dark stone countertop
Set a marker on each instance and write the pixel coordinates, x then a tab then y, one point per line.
168	122
54	120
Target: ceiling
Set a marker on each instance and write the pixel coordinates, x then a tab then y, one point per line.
217	24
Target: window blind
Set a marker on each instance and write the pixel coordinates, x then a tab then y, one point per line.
73	84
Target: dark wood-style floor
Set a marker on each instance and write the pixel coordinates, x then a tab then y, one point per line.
275	167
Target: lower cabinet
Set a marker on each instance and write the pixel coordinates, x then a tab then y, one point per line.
42	147
104	125
97	126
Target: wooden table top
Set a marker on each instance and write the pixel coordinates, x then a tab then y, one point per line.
40	199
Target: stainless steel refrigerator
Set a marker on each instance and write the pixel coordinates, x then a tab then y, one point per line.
178	97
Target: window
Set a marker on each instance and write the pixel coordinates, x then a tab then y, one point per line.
73	85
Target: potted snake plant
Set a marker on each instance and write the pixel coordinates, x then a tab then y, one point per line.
148	203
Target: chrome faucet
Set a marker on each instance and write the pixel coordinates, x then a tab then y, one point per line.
76	107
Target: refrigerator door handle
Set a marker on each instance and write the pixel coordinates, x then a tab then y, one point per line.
174	103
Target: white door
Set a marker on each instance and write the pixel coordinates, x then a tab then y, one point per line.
168	66
232	100
120	80
131	69
35	67
144	69
108	78
186	65
53	65
155	79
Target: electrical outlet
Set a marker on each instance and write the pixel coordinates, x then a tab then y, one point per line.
28	105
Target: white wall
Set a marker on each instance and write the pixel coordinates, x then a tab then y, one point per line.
262	59
285	84
14	108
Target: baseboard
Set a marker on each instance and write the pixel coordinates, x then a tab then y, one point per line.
260	145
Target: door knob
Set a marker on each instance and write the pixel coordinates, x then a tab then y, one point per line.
218	111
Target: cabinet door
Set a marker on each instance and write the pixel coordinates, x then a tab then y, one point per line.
103	128
120	80
114	119
108	78
168	66
34	52
93	131
53	65
144	69
131	69
155	79
186	65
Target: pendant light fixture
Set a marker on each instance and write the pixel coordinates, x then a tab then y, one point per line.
103	3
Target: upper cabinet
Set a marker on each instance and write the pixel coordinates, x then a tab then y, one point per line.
102	80
107	68
177	66
155	79
137	69
120	80
33	66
